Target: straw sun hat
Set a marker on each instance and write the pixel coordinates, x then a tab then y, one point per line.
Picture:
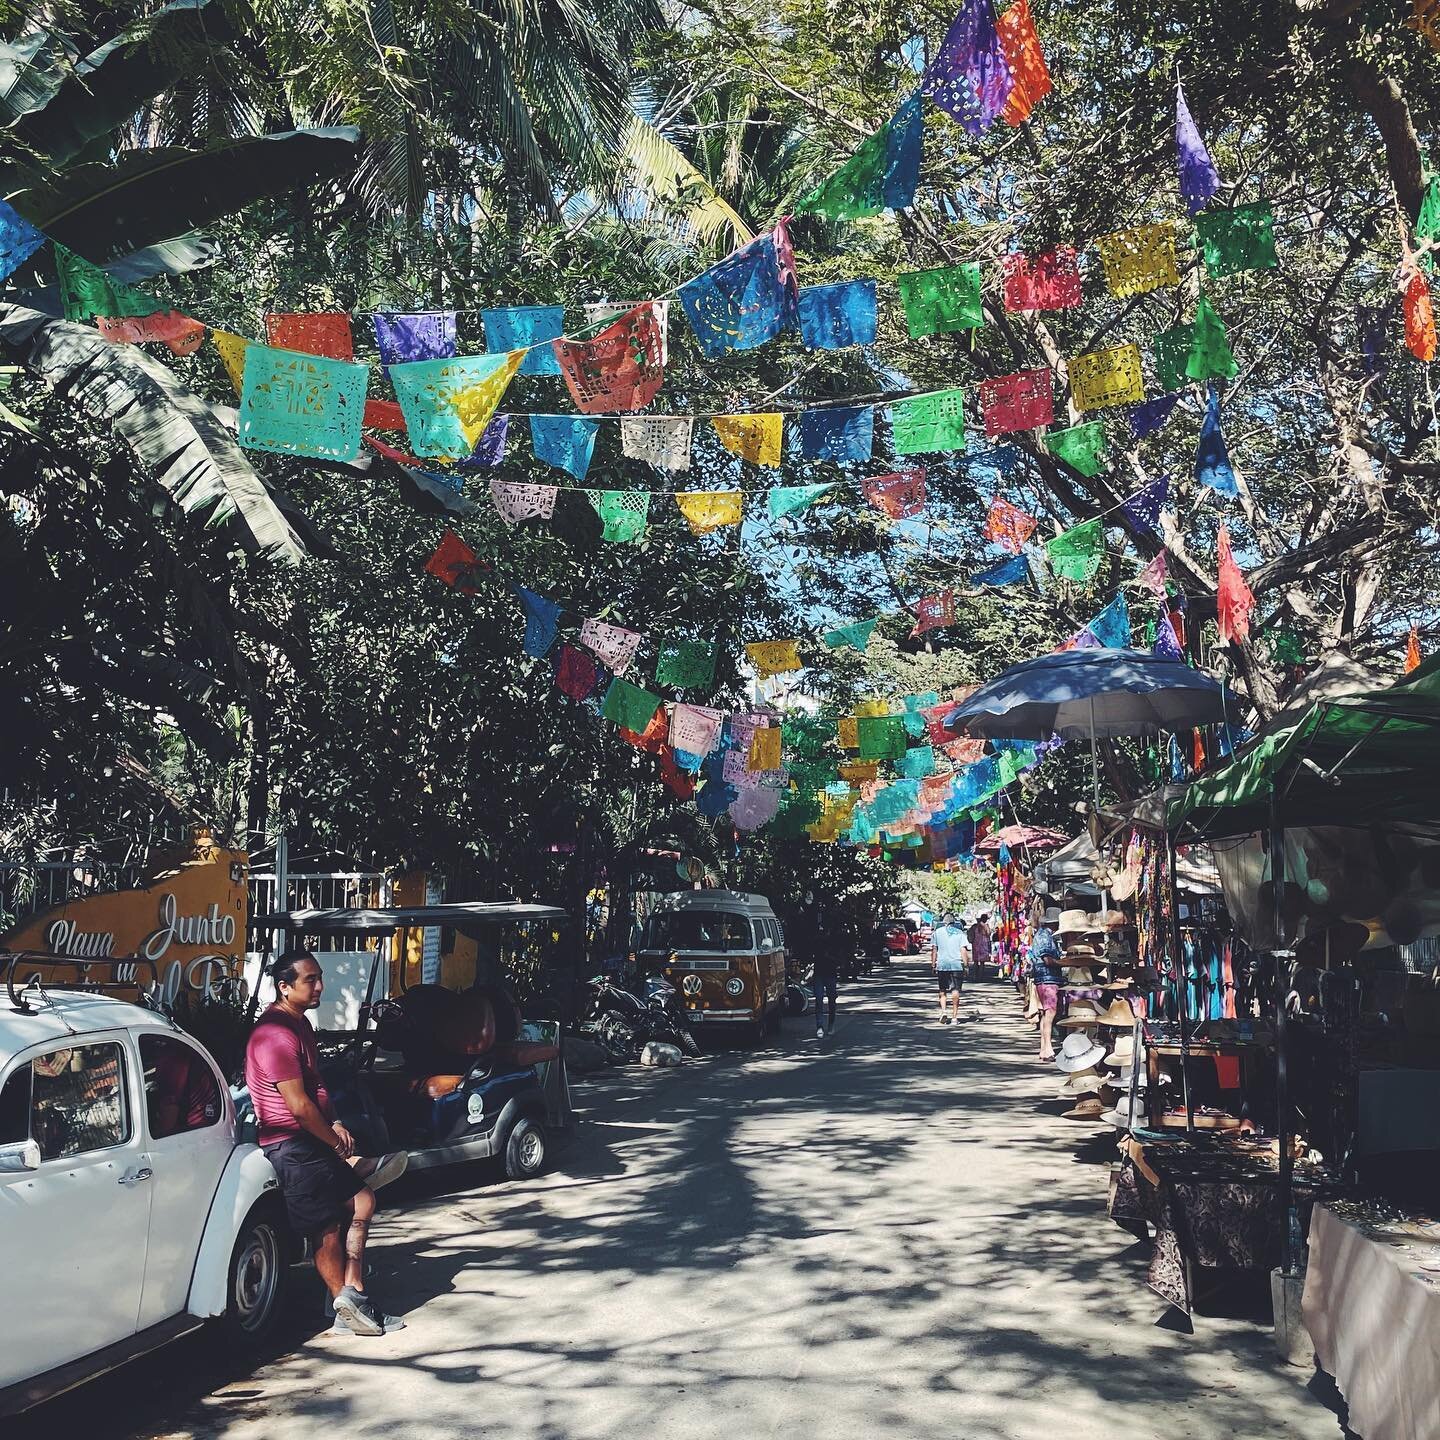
1079	1052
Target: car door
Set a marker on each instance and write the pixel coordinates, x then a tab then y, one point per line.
73	1233
191	1128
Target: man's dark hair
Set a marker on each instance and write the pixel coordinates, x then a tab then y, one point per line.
283	971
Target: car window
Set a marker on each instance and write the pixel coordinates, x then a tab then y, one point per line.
180	1089
15	1107
78	1100
699	930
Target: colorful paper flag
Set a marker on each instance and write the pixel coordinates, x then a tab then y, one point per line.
231	349
1076	554
613	644
515	503
1014	571
765	752
542	621
899	495
1111	627
382	415
773	657
707	510
1210	356
169	327
622	368
855	636
1142	509
19	240
427	389
1152	577
1020	46
489	449
1238	239
837	434
453	562
834	317
695	729
1051	281
881	175
629	706
847	732
318	332
86	291
756	438
1212	458
625	514
880	737
576	674
941	300
1419	316
1008	525
1199	179
402	339
298	404
926	423
661	440
969	78
1147	417
934	612
745	300
1171	349
685	664
1139	260
1412	650
1107	377
791	499
1167	642
564	441
529	328
476	404
1081	447
1233	600
1022	401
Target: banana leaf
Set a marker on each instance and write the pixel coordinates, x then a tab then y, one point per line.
172	432
102	211
169	257
31	71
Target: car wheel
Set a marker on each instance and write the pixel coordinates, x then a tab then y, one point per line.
525	1150
258	1278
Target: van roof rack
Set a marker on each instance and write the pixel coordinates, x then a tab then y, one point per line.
12	960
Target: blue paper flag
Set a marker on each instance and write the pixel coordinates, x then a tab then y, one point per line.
1212	459
1147	417
833	317
1111	627
542	620
1143	508
403	339
564	442
745	300
841	435
19	240
519	326
969	78
1014	570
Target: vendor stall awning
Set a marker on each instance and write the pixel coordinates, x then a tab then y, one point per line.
1070	868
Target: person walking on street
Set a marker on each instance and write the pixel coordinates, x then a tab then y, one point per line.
817	940
1044	953
323	1183
948	949
979	937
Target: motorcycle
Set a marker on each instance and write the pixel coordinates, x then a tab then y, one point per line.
663	1000
623	1024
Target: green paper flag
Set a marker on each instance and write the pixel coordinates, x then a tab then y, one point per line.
929	422
629	706
856	636
86	291
937	301
880	175
1285	645
1172	354
1427	226
790	499
685	664
1210	355
1080	447
882	737
1238	239
624	512
1076	554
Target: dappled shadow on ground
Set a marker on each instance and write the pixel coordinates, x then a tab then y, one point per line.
888	1231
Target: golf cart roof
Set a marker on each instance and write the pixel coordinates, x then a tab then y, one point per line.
464	916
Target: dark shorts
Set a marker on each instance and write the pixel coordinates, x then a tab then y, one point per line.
950	980
315	1182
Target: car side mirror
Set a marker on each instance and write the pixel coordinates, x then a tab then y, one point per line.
19	1157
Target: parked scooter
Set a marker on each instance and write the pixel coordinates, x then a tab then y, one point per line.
622	1023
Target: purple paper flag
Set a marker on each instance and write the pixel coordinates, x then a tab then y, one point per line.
1143	508
490	447
400	339
1198	177
1084	640
1147	417
968	77
1167	643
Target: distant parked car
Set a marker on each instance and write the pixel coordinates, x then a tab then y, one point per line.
900	938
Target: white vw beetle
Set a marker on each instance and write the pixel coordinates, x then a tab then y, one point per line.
128	1212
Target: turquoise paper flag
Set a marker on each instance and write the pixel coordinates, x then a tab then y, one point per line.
296	404
1111	627
426	390
856	636
519	326
564	442
790	499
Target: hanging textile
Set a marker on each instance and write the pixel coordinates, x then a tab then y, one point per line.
764	750
926	423
1076	554
614	644
1233	599
1238	239
576	674
1022	401
968	78
1107	377
1020	46
489	449
453	562
1014	571
754	806
834	317
661	440
685	664
1148	417
1172	349
773	657
514	502
427	389
563	441
1212	459
1008	525
1081	447
231	349
1142	509
1419	316
679	784
1111	627
881	175
1167	642
87	291
880	737
169	327
935	717
756	438
899	495
622	368
855	636
629	706
1210	356
296	404
917	763
542	621
837	434
707	510
1139	260
934	612
625	513
791	499
19	240
529	328
1412	650
1199	179
1152	577
402	339
1050	281
476	403
966	750
939	301
695	729
848	733
745	300
858	772
314	333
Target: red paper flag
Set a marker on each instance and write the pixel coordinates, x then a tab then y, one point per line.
1008	525
621	368
1412	651
1419	318
322	333
899	495
934	611
576	672
453	562
1022	401
654	738
1051	281
676	780
382	415
1197	750
1234	602
1020	46
182	334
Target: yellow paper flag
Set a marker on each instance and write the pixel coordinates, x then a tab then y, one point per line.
872	707
756	438
1139	260
856	772
1107	377
232	350
706	510
476	405
765	749
849	733
774	657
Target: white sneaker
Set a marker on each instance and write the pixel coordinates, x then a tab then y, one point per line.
819	1032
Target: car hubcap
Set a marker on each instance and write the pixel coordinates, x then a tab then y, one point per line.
532	1150
257	1269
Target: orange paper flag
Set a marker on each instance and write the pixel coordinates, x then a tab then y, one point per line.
1412	651
1419	317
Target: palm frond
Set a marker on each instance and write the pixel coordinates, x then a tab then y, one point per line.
669	178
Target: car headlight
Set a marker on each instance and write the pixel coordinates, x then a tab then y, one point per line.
734	986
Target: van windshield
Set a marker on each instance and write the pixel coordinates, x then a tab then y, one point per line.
699	930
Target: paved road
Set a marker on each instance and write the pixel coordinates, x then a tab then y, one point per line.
884	1233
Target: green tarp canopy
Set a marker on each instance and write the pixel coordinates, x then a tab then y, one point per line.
1372	758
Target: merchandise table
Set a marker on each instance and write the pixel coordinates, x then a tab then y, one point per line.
1372	1307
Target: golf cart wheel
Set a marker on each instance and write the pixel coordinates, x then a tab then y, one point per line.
257	1279
525	1150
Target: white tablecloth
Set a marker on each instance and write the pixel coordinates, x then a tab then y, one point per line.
1376	1328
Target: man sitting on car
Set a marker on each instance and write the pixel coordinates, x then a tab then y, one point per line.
312	1153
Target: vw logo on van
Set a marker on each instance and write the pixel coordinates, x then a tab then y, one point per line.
691	984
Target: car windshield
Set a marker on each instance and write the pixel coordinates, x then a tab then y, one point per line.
699	930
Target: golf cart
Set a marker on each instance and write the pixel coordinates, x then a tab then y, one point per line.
449	1074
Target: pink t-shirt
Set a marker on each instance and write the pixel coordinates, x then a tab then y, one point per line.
282	1047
